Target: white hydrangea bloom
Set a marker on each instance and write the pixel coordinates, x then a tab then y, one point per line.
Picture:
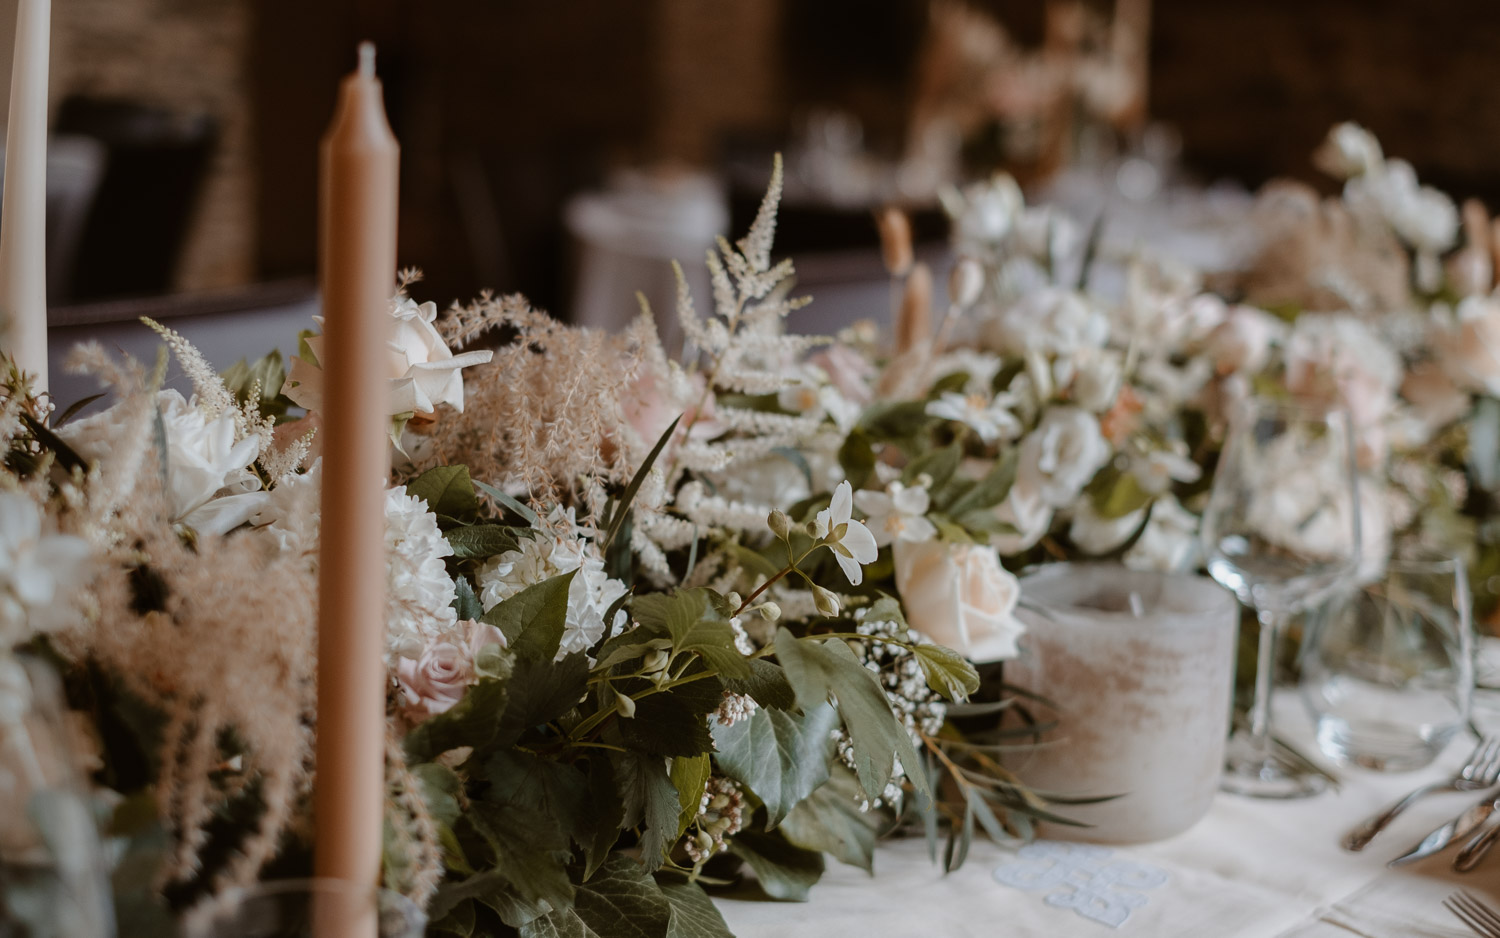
419	592
543	557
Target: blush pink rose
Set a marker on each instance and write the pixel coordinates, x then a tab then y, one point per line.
440	677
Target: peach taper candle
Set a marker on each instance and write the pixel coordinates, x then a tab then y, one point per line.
23	215
359	185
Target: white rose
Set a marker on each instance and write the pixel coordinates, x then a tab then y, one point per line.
1469	344
1052	321
1062	454
958	595
1095	534
1097	376
423	371
1242	343
1170	541
1026	511
39	571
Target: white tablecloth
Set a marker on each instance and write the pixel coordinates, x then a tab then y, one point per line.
1249	869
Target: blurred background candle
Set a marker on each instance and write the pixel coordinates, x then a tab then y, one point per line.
23	223
360	160
1142	664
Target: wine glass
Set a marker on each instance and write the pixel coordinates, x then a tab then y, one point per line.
1281	531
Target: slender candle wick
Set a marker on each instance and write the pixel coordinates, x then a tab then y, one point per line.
367	60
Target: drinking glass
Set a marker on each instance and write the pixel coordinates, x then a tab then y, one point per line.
1388	671
292	908
1281	531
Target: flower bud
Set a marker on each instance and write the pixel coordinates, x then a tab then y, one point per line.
812	530
624	705
779	523
734	599
770	612
965	282
895	240
656	661
826	602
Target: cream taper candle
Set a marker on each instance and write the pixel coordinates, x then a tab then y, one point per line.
23	214
359	185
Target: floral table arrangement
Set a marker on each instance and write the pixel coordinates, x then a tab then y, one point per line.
656	617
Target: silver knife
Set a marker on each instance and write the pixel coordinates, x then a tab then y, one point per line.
1456	829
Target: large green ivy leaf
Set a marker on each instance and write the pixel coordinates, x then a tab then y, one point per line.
621	901
783	871
447	490
649	799
470	722
534	620
539	692
603	816
530	852
830	821
767	685
693	913
781	756
488	888
671	723
819	669
539	785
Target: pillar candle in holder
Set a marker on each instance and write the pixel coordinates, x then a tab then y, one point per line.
23	216
1141	665
359	184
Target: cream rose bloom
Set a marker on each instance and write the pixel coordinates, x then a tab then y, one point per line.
1026	511
423	371
1062	454
958	595
1469	343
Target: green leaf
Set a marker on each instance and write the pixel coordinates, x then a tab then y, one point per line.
713	641
694	914
540	786
530	851
521	510
1116	493
456	919
690	777
534	620
440	787
991	490
830	821
75	407
604	817
650	800
447	491
671	723
694	625
895	420
539	692
67	457
465	603
783	871
483	541
767	685
675	612
857	458
819	669
940	464
782	757
947	672
621	901
470	722
623	505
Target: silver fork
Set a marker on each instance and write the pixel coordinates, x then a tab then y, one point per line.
1481	918
1481	771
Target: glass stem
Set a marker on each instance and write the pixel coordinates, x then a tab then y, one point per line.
1265	679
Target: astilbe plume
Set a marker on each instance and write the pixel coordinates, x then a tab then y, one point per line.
544	416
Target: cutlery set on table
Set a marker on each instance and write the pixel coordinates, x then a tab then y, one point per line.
1478	826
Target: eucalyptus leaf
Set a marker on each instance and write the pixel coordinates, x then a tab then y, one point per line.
947	672
818	669
782	757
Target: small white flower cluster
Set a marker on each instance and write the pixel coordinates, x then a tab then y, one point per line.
419	592
736	707
721	814
917	705
547	555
